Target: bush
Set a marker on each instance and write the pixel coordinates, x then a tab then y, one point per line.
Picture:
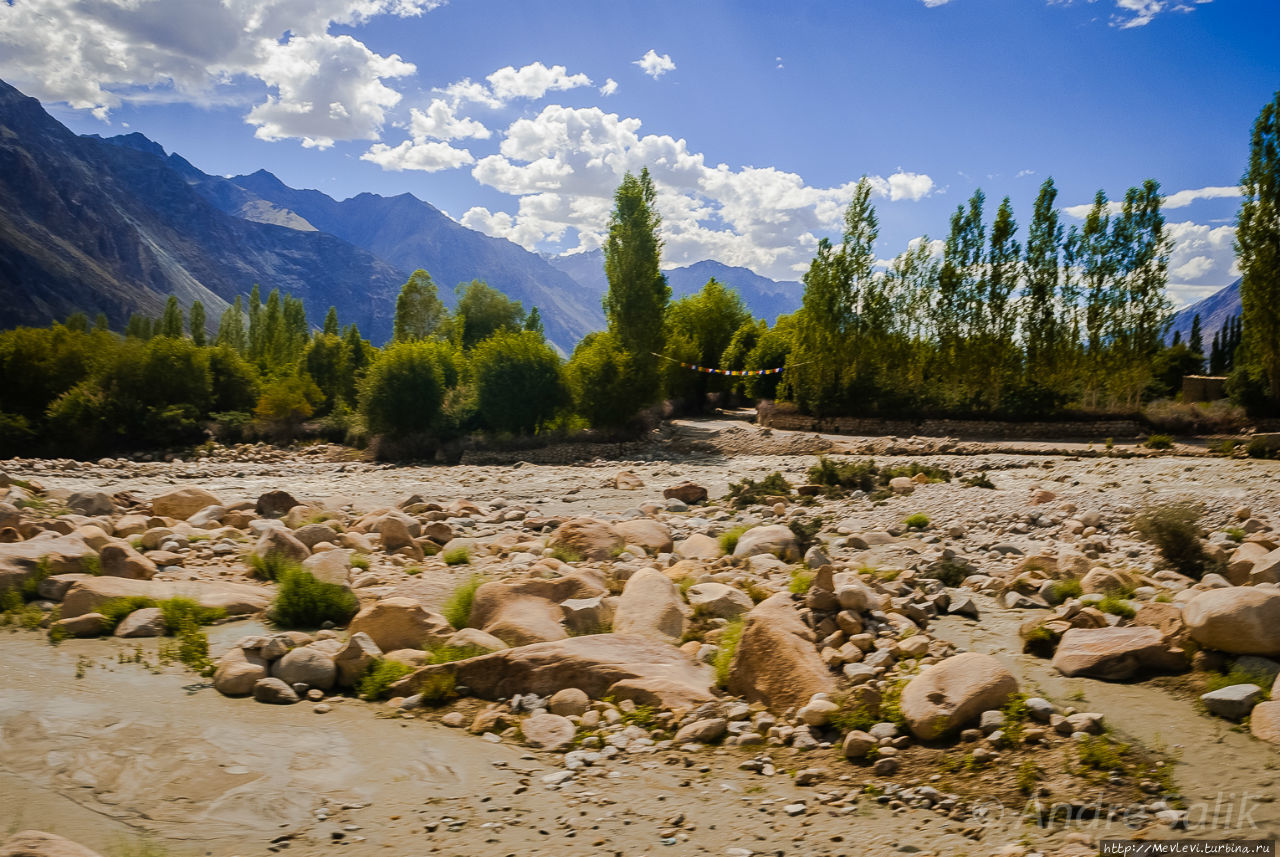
304	602
404	390
918	521
948	572
285	403
178	610
269	567
604	387
979	480
438	689
1117	606
806	531
867	476
1241	675
376	682
519	382
116	609
748	492
457	608
1158	441
727	647
1064	590
457	556
1172	417
1175	531
1263	446
801	580
729	539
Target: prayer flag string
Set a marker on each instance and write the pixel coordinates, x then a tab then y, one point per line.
732	373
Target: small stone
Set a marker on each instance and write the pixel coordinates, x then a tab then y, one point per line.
794	809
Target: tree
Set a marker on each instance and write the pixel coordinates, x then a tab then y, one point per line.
331	327
533	322
483	311
1044	246
231	330
600	381
705	322
419	311
1258	249
171	324
1196	342
198	322
404	389
1002	274
286	402
519	381
638	292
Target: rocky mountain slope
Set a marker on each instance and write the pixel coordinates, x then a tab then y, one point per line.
1213	311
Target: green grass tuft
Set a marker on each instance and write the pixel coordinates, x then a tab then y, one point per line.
304	602
457	608
457	556
376	682
729	539
730	637
918	521
801	580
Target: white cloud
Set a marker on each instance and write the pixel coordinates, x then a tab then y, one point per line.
655	65
1179	199
533	81
1201	261
932	3
427	156
1129	14
564	165
609	88
441	122
1022	174
277	55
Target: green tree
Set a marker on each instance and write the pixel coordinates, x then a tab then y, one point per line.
704	323
231	329
171	323
1258	249
600	381
331	326
1041	271
357	356
403	391
636	301
419	311
518	380
1002	275
483	311
198	322
322	361
533	322
286	402
1196	342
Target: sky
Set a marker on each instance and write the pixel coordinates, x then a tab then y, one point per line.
755	117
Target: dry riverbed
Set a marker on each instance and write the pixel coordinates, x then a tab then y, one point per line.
103	742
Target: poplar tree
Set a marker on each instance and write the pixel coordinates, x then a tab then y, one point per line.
171	324
1002	274
1196	341
231	330
198	333
1041	270
331	327
419	311
1258	249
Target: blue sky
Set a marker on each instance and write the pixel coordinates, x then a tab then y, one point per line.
519	118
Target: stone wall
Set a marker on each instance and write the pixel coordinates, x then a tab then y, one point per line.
867	426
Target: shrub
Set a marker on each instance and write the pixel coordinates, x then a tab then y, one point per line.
448	654
519	382
457	608
1241	675
606	387
1175	531
948	571
801	580
286	402
748	492
1100	754
806	531
192	648
116	609
979	480
178	610
438	689
564	553
1263	446
1172	417
269	567
404	390
1117	606
730	637
729	539
376	682
457	556
1158	441
918	521
1235	534
304	602
1063	590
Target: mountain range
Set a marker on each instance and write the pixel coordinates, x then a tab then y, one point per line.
115	225
1214	310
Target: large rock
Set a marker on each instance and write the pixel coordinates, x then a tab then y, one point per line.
91	503
653	536
1235	701
306	665
279	542
718	600
330	566
238	599
1241	620
688	493
1264	721
599	665
20	561
1242	562
145	622
1265	570
1107	580
354	659
275	504
400	623
549	732
527	610
953	692
771	539
121	560
650	606
1115	654
36	843
398	532
776	662
699	546
183	503
237	672
273	691
587	538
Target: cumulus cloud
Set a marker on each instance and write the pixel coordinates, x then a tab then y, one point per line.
609	88
533	81
654	64
565	163
428	156
1201	261
278	55
1179	199
441	122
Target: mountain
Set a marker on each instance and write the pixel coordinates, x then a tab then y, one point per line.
93	225
764	297
1213	311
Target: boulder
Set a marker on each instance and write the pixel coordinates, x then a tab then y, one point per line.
306	665
84	625
718	600
776	662
653	536
650	606
275	504
569	702
330	566
182	503
625	480
1106	580
550	732
474	638
1265	570
279	542
145	622
37	843
1240	620
238	599
688	493
91	503
208	517
400	623
588	615
857	744
706	731
527	610
698	546
1116	653
121	560
20	561
1242	562
774	539
948	695
237	672
313	534
273	691
598	665
354	659
1234	702
397	532
587	538
1264	721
